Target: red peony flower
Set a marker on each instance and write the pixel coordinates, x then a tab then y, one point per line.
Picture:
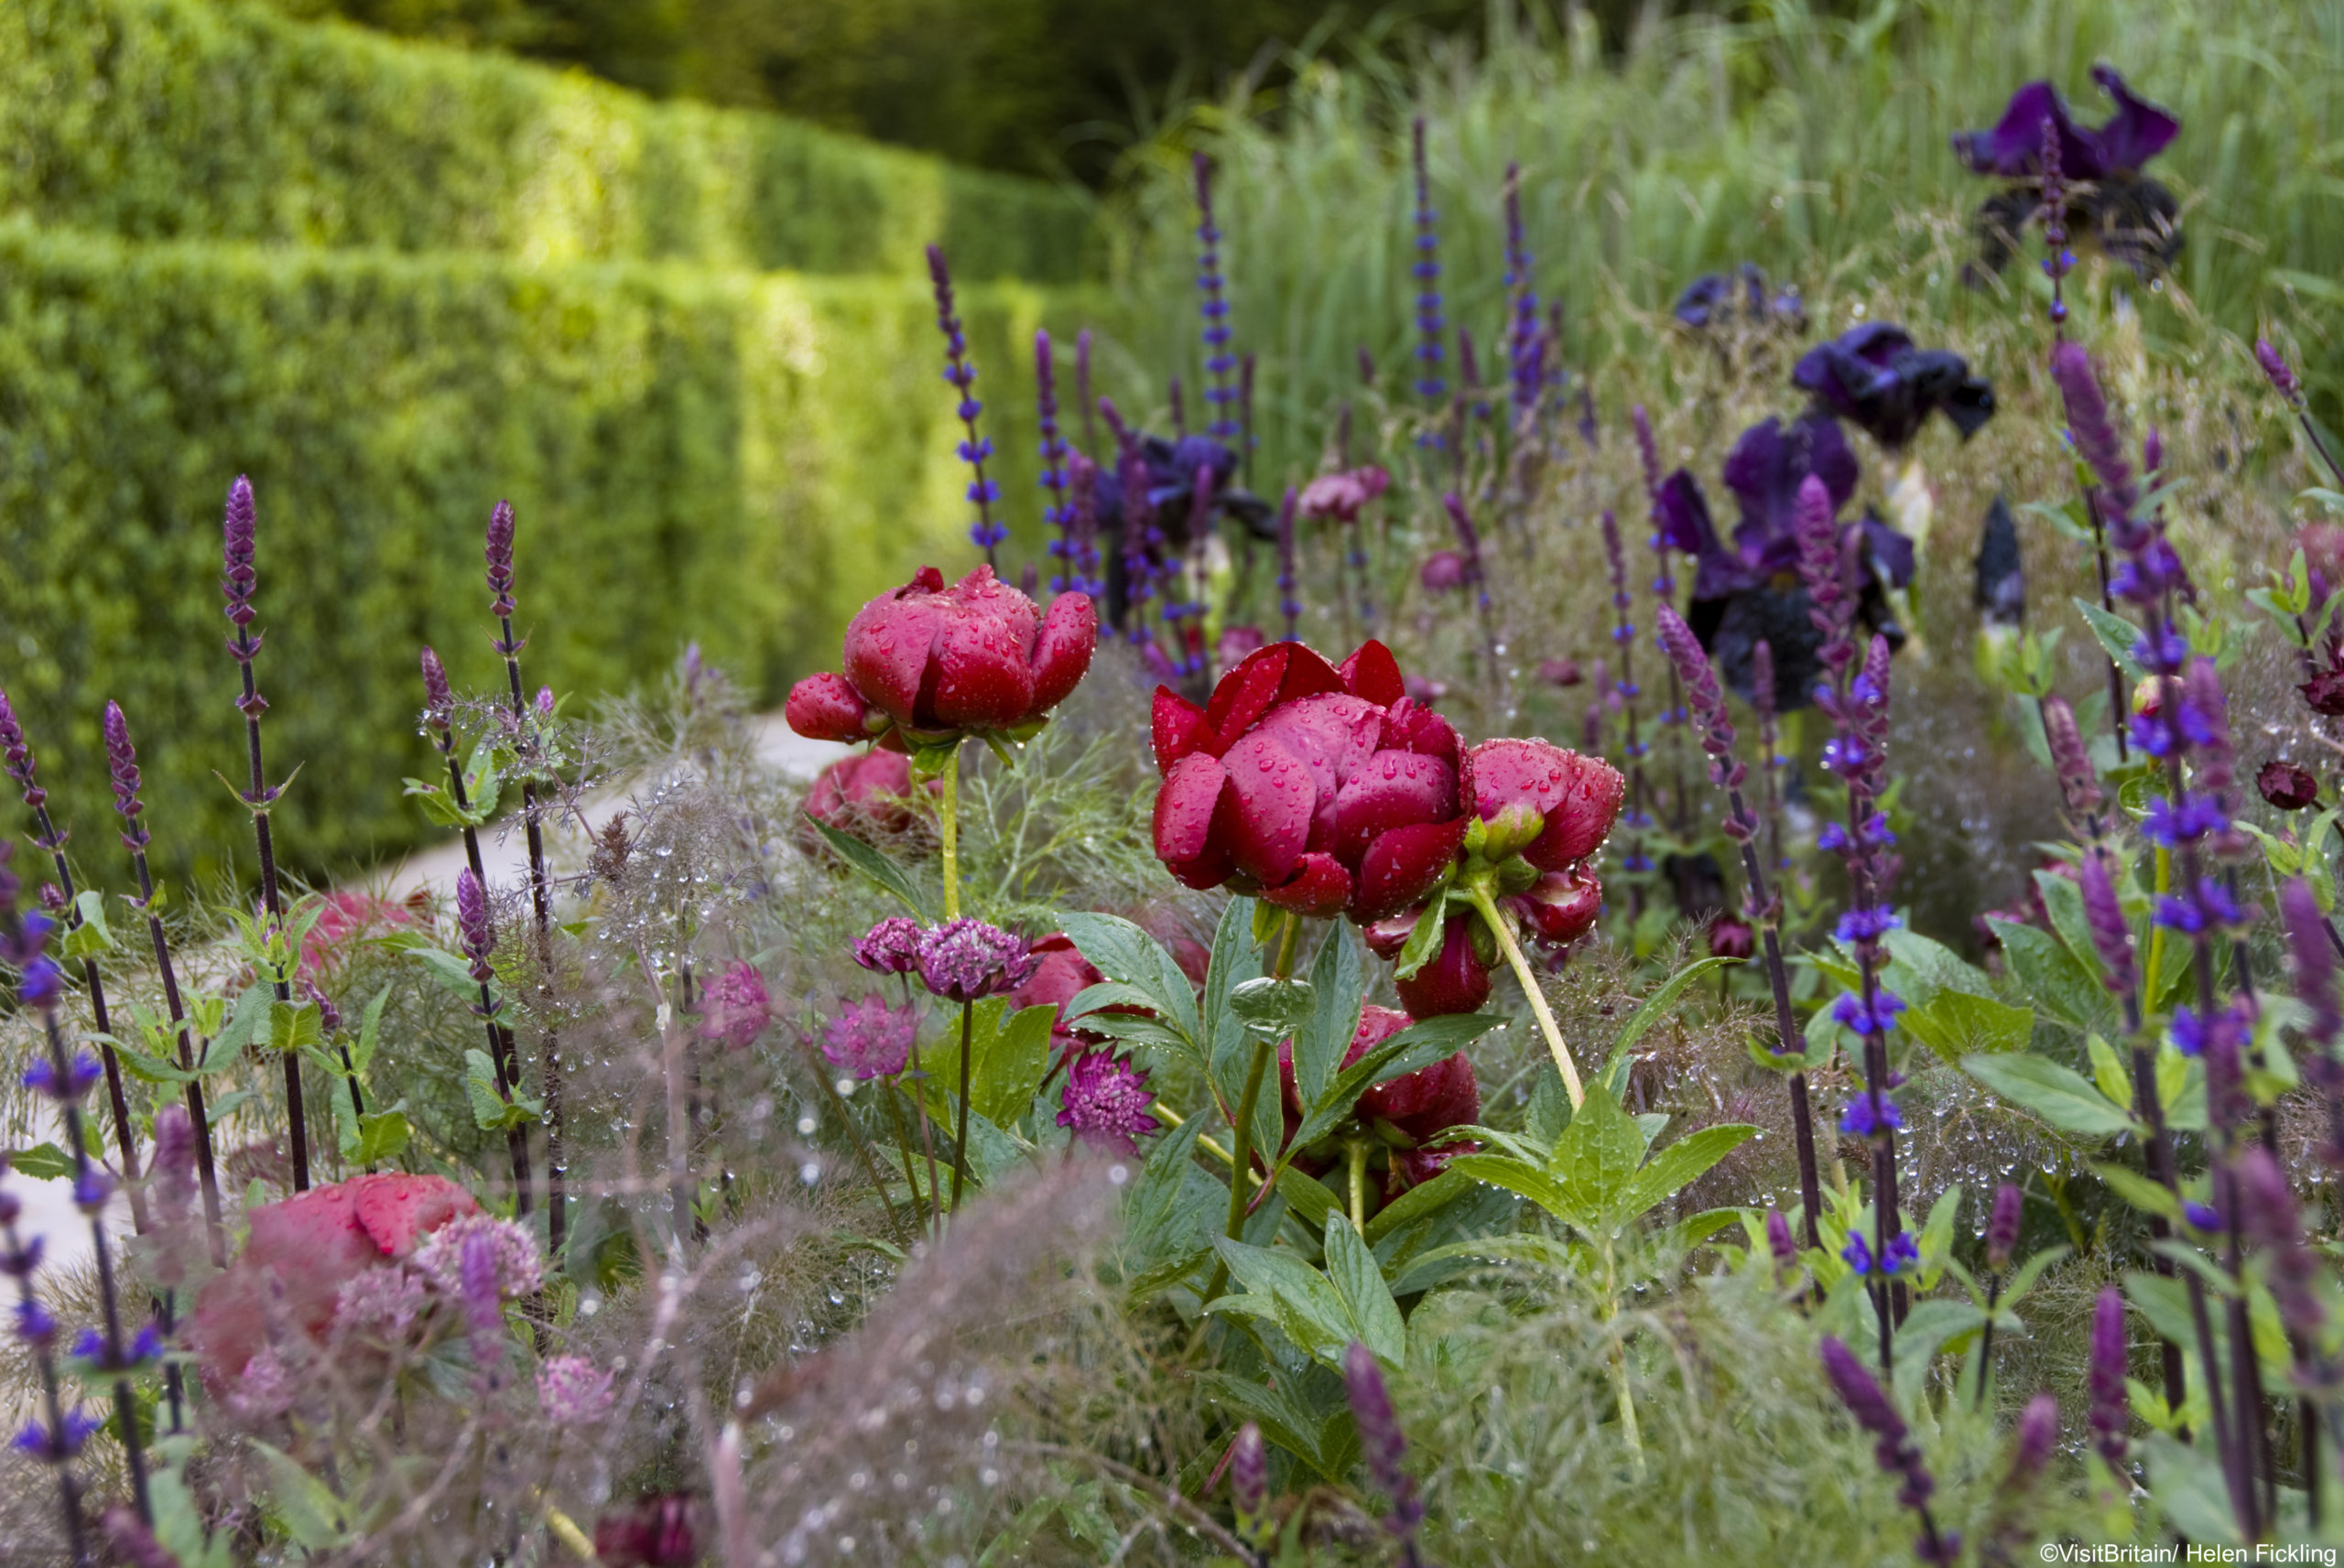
1061	973
1343	496
1403	1112
1575	797
934	662
302	1250
871	790
1326	791
1457	979
348	918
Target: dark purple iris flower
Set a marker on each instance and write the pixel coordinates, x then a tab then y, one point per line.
1750	590
2134	219
1715	297
1174	468
1875	376
2136	133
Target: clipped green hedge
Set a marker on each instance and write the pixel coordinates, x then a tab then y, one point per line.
183	119
731	458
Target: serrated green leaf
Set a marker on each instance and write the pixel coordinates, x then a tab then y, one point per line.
1665	997
1676	1167
453	973
308	1510
1423	1198
2109	1072
1339	990
1310	1311
2048	973
2148	1196
2061	1095
2114	634
370	1030
42	1163
243	1027
1596	1156
383	1135
491	1111
1520	1177
1123	952
1955	1023
294	1025
1353	1270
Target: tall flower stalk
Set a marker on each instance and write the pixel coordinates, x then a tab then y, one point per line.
63	1076
23	768
57	1439
498	552
1468	544
1220	398
2282	380
984	533
1525	368
1762	907
504	1054
1633	746
1058	513
237	579
1673	718
122	761
1432	384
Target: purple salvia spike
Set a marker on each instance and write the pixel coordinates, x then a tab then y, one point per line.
2315	956
2002	1226
471	923
2283	379
2110	935
2152	456
1648	449
1288	606
974	448
1703	697
1860	1392
2078	781
237	577
439	699
499	553
1219	397
1818	533
483	1308
1779	1244
2111	1413
2061	261
2215	760
1382	1445
122	763
1430	322
2038	1433
19	755
2089	423
2269	1216
1366	368
1249	1473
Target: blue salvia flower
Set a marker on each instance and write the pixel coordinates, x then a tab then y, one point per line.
1431	384
1059	513
1220	397
984	533
1288	578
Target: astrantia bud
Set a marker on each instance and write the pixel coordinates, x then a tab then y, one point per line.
738	1007
890	947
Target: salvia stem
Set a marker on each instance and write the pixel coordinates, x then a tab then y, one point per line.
504	1055
1787	1031
948	827
541	909
53	1402
207	1171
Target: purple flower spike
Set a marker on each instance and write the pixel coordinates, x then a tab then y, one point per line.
2314	958
121	763
2089	423
1647	449
1105	1102
1893	1449
2038	1432
499	553
439	700
2111	1414
2002	1226
974	448
237	578
1779	1244
2110	935
1381	1443
19	755
471	923
2079	783
890	947
2268	1213
2282	378
1249	1473
965	959
1703	697
869	1039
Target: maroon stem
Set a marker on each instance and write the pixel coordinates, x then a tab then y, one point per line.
206	1170
502	1054
117	1101
1810	1184
541	906
297	1113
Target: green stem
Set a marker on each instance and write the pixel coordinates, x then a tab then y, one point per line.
1357	1147
948	815
927	1139
2156	933
1531	988
960	1138
1241	1160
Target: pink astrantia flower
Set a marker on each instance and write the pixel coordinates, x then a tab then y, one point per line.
1441	571
965	959
572	1390
868	1039
890	947
738	1007
1343	496
513	1253
1105	1102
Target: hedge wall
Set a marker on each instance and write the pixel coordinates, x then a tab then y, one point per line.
735	459
183	119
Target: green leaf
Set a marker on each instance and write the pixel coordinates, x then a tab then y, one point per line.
1272	1008
370	1031
1956	1023
243	1026
1353	1270
482	785
1338	990
491	1111
88	936
2061	1095
293	1025
383	1135
2063	900
1676	1167
2048	973
878	867
1597	1155
149	1068
2116	634
310	1512
1929	1329
2148	1196
1656	1005
2109	1072
1282	1421
1315	1315
1520	1177
1418	1201
42	1163
1424	940
453	973
2186	1485
1123	952
1009	1052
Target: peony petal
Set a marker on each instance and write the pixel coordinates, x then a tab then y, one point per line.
397	1211
1579	796
827	708
1179	727
1426	1101
1561	907
1402	866
1245	692
982	675
1395	789
1318	888
1062	650
1372	672
1455	981
1307	674
1411	727
1273	799
1333	735
1185	807
888	647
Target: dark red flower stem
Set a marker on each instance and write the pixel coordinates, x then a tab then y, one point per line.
207	1170
1786	1029
259	798
117	1101
541	908
502	1054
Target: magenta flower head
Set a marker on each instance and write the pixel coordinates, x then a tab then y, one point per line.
1381	1444
965	959
2111	1414
499	554
868	1039
890	947
2282	378
738	1007
2111	935
936	662
471	924
572	1390
1105	1102
237	578
1341	497
2002	1226
19	752
1442	571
